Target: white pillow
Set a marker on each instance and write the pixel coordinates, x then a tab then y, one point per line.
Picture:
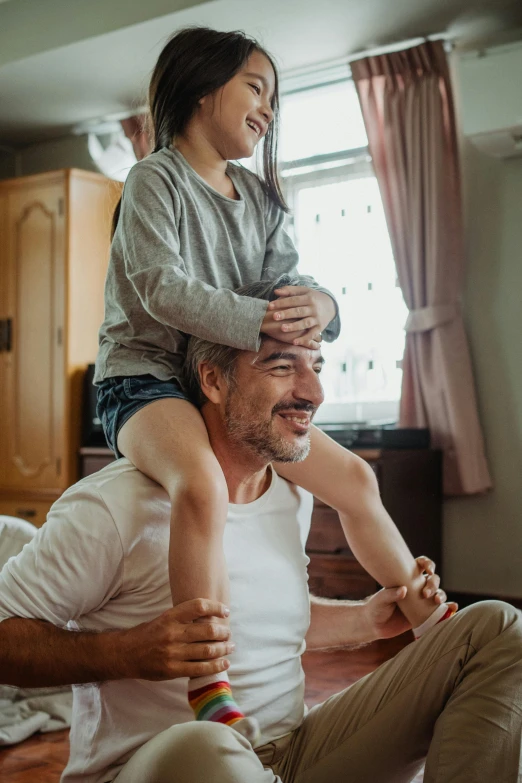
14	535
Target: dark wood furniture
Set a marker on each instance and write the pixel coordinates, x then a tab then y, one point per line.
93	458
410	483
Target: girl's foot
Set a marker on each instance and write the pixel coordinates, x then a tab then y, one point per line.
211	699
441	613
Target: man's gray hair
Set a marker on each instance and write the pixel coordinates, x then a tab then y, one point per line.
223	356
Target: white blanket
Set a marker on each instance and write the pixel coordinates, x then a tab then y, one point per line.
23	711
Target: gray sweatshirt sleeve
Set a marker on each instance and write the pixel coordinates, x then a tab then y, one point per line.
147	230
281	258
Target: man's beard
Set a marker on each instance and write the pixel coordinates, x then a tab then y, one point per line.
259	435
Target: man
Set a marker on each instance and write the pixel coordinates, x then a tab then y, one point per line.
99	566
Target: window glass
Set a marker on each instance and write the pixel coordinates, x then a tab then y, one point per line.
320	121
341	235
339	229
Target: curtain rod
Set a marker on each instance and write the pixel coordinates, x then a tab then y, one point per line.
396	47
340	64
335	71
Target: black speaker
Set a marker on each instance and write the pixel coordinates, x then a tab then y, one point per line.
364	435
92	430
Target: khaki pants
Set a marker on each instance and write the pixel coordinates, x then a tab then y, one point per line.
453	698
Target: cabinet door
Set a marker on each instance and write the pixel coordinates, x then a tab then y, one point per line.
4	358
34	367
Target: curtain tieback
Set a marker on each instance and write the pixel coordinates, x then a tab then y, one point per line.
427	318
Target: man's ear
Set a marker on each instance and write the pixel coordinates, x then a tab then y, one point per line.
212	383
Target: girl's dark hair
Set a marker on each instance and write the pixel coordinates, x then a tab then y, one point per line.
195	62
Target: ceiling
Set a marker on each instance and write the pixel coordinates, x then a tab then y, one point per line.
63	63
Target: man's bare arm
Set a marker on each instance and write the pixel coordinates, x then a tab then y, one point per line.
347	624
336	624
35	653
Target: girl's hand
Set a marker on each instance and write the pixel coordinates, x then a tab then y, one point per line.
382	610
304	310
309	338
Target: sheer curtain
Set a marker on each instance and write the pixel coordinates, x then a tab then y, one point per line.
408	110
135	128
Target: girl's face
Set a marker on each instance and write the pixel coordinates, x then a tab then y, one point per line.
236	116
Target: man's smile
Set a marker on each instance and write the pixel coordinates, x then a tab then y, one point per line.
299	421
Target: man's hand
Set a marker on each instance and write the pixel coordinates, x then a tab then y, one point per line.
305	313
37	654
383	615
173	645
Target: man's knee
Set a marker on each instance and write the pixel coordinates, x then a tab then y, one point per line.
194	752
214	737
204	744
489	619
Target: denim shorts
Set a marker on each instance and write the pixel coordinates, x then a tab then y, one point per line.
120	398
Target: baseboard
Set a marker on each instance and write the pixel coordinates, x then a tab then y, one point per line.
466	599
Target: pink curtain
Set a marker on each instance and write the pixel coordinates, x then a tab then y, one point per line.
135	128
408	110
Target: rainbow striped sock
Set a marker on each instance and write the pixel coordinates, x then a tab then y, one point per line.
213	700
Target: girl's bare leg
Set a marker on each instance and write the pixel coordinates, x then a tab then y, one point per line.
167	440
344	481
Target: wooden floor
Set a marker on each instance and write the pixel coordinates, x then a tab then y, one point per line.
41	758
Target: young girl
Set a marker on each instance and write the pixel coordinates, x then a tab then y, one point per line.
190	228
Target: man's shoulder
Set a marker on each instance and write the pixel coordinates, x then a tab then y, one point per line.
107	479
119	490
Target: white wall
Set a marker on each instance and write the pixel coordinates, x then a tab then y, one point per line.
66	152
62	153
483	535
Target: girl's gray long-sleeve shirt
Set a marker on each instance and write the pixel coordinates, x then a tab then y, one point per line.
179	250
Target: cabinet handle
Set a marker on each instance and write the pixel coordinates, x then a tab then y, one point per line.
5	334
26	513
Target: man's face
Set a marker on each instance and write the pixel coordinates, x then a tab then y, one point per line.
272	399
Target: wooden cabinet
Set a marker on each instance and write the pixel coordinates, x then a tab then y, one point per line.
410	483
54	248
34	511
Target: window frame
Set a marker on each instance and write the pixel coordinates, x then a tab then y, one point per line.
354	164
330	169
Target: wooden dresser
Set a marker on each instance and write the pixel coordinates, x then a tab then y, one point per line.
410	483
54	249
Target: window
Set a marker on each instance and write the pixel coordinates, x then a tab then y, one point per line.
339	229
